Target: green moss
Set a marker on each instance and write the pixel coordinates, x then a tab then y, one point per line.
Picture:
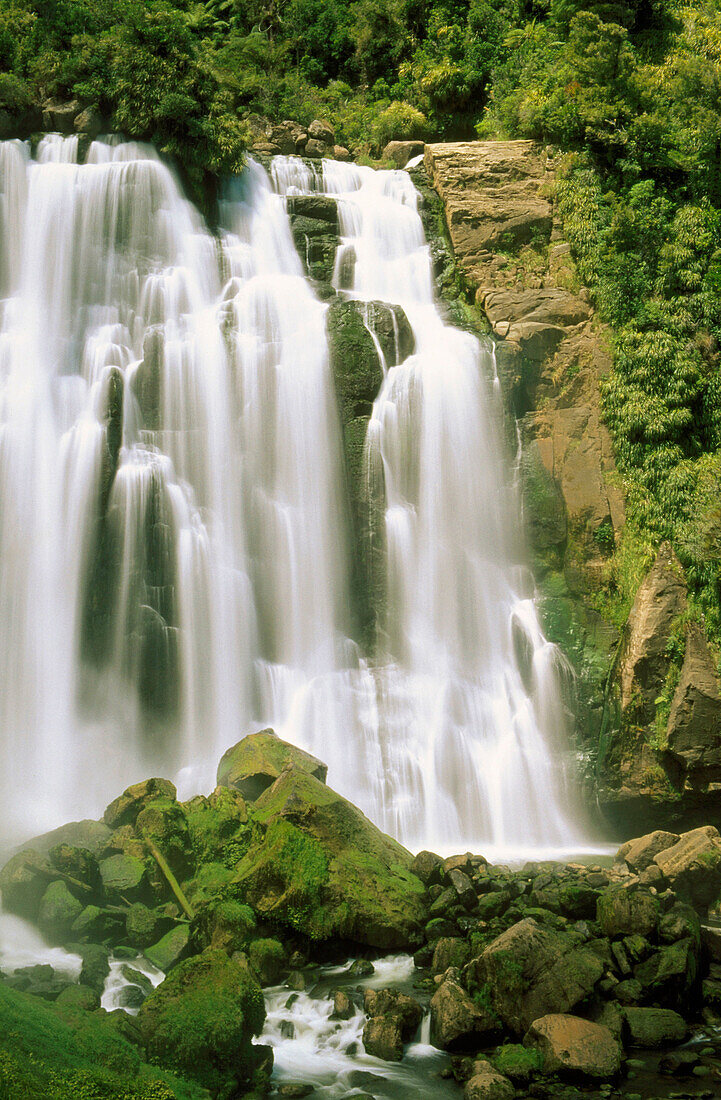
47	1053
219	832
518	1062
296	867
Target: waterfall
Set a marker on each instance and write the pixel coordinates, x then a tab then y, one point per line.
175	558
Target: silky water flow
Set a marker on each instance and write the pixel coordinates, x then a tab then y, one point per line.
175	560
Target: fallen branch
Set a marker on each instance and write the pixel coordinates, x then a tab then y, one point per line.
170	878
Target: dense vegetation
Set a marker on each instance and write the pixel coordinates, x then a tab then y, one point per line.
630	91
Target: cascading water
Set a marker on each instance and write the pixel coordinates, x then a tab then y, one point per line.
174	553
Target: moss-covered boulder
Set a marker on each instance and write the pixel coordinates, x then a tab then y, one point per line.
141	925
255	763
201	1020
623	911
320	866
314	225
23	881
170	949
164	825
224	923
219	831
268	959
124	878
124	810
58	911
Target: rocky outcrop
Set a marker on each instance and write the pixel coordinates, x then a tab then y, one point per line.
694	721
291	138
255	763
551	355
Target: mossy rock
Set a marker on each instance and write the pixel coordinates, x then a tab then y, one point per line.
124	878
201	1020
622	912
224	923
268	959
255	763
170	949
124	810
164	823
97	925
518	1062
141	925
23	881
78	863
58	911
219	833
87	834
321	867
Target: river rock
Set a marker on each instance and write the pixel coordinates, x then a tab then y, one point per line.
170	949
670	973
59	117
642	851
343	1007
125	809
487	1084
428	867
319	865
693	865
622	911
124	878
88	835
654	1027
268	959
530	971
402	1008
164	823
450	951
23	881
456	1022
141	925
255	763
575	1045
382	1038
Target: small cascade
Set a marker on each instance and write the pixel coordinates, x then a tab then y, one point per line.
176	559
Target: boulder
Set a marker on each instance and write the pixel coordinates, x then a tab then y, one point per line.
428	867
397	1006
693	865
319	866
568	1043
254	764
623	910
201	1020
89	835
536	339
125	809
90	122
450	951
23	881
59	117
456	1022
463	888
341	153
321	131
343	1007
268	959
141	925
382	1038
124	878
77	864
654	1027
642	851
288	136
164	823
400	152
669	974
486	1084
693	734
530	971
321	208
316	149
170	949
58	910
552	307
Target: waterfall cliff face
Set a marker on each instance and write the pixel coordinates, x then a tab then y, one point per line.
175	558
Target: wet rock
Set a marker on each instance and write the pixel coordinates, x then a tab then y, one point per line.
77	864
297	980
170	949
382	1038
680	922
571	1044
623	910
96	924
400	152
95	966
254	764
90	122
670	973
164	823
642	851
59	117
343	1007
125	809
679	1063
131	996
361	968
316	149
398	1006
530	971
456	1022
693	865
711	939
295	1090
58	910
654	1027
493	905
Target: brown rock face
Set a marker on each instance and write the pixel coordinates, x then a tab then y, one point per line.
694	724
579	1046
382	1038
642	851
531	971
644	663
492	194
400	152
